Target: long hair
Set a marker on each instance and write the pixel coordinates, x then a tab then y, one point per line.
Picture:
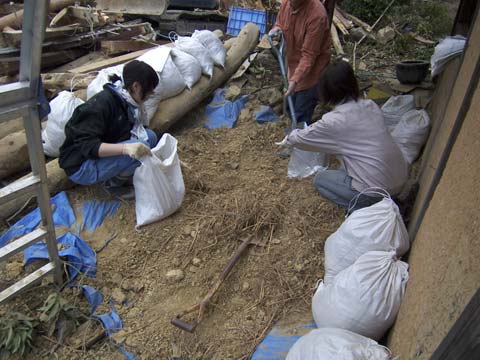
338	84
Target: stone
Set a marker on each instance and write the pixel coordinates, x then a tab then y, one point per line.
298	267
132	285
192	269
234	165
118	296
175	275
245	286
116	278
232	92
357	33
196	261
13	269
176	262
119	336
245	114
270	96
362	65
123	240
385	35
276	241
187	230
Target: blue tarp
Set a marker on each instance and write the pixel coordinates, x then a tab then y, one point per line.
111	321
223	113
79	255
265	114
279	341
94	212
63	215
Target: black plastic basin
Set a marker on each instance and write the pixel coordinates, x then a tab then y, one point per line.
412	72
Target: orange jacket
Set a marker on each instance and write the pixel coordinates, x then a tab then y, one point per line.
307	38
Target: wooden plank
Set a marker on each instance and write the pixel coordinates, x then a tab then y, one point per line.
67	80
346	23
14	37
83	60
115	47
462	341
108	62
339	25
336	41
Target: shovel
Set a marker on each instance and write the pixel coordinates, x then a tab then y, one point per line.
202	305
280	53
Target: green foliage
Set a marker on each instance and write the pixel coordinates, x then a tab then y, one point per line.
55	310
16	333
368	10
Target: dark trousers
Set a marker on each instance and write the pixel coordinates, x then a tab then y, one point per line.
304	102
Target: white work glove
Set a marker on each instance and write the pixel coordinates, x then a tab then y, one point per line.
136	150
274	32
284	142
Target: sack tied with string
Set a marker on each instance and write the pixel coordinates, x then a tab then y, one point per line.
365	297
377	227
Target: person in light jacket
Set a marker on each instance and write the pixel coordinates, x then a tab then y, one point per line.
354	131
105	137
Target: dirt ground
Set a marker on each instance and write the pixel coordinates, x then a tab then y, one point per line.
236	186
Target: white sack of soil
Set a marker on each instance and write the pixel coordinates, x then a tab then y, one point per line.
102	78
411	133
445	51
378	227
188	66
170	80
158	183
336	344
62	108
365	297
213	44
395	107
198	51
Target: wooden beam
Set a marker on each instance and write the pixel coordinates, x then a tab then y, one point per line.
65	81
108	62
115	47
336	41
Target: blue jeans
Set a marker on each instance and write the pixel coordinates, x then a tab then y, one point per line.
336	186
94	171
304	102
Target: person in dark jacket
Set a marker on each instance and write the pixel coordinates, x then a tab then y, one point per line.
105	137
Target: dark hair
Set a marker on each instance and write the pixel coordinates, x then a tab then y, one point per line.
338	84
140	72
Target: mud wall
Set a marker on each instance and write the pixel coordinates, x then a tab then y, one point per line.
445	255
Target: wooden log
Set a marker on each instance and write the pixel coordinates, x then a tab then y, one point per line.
173	109
11	126
336	41
14	20
355	20
348	24
57	181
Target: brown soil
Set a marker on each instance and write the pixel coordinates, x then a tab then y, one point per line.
236	187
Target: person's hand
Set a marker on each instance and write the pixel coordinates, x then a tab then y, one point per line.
274	32
136	150
292	85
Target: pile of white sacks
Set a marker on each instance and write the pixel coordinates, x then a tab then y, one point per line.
364	284
178	67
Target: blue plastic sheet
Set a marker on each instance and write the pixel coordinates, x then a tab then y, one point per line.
279	341
223	113
80	256
63	215
265	114
93	296
94	212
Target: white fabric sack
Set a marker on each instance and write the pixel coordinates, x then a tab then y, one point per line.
363	298
102	78
170	80
198	51
305	163
188	66
213	44
411	133
446	50
62	108
336	344
158	182
376	227
395	107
